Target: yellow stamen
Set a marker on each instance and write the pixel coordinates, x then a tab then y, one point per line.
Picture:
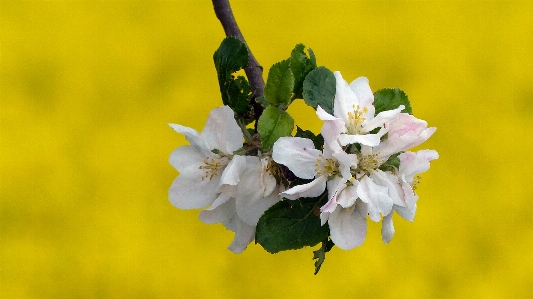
211	167
356	117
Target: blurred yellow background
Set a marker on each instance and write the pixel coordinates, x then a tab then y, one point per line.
87	90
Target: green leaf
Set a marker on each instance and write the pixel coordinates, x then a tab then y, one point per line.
318	140
319	89
392	164
232	56
291	224
391	98
279	85
301	65
320	254
273	124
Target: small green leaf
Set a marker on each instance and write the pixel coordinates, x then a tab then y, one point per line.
318	140
231	56
291	224
301	65
391	98
280	84
273	124
392	164
320	254
319	89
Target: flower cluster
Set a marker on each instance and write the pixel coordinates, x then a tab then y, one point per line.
250	170
237	188
357	144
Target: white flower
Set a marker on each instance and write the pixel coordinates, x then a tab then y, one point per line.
353	105
411	164
306	162
205	174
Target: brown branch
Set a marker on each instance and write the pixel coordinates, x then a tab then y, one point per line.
254	71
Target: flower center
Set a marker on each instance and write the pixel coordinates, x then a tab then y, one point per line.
369	163
326	167
356	118
212	167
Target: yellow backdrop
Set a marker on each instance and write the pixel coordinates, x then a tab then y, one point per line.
87	90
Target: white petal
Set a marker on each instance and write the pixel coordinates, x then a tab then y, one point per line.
376	197
311	189
390	182
384	117
191	192
268	181
367	139
347	227
364	94
249	201
186	159
244	234
387	229
219	214
221	131
298	154
232	175
190	134
323	115
344	100
415	163
406	213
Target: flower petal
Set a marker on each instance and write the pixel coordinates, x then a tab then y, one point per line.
221	131
186	159
347	227
191	135
298	154
364	94
367	139
249	201
387	229
376	197
244	234
311	189
191	192
384	117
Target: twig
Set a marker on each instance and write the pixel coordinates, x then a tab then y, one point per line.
254	71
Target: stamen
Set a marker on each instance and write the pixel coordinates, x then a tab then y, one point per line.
327	167
369	163
356	117
211	167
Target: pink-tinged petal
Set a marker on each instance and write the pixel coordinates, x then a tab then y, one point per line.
367	139
191	192
376	197
221	131
364	94
232	175
409	195
244	234
190	134
347	227
186	159
323	115
387	229
415	163
348	196
312	189
298	154
324	216
384	117
406	213
221	211
334	187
